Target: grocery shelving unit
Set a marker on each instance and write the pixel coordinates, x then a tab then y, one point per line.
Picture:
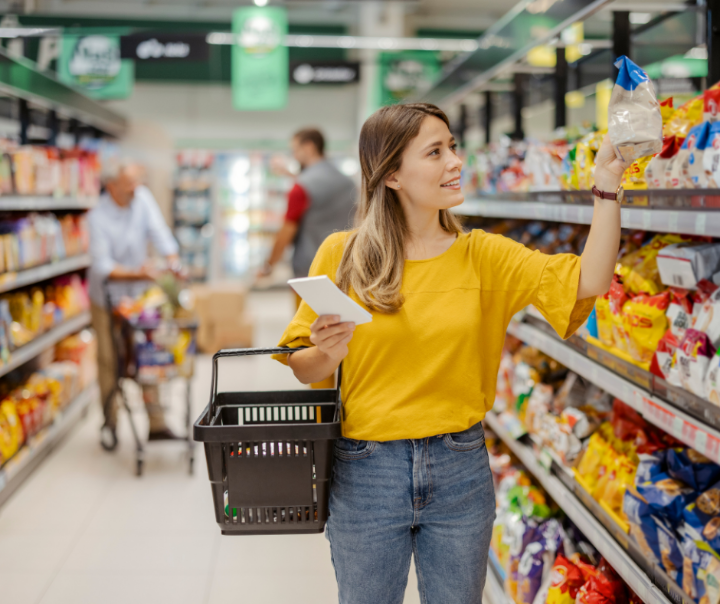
21	465
644	584
687	417
45	204
494	592
26	353
692	212
15	279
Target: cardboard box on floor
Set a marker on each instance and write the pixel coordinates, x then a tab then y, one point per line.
220	309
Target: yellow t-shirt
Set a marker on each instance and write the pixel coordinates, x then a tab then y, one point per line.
431	368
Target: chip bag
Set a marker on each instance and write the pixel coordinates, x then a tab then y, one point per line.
639	271
711	158
592	459
670	554
604	320
643	530
667	497
634	118
656	172
693	359
711	389
703	515
666	110
566	579
693	168
711	104
692	468
645	323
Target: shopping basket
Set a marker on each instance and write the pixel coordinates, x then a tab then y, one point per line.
269	455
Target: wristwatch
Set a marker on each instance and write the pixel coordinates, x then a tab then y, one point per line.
618	195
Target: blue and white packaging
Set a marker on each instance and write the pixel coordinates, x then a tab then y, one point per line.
634	119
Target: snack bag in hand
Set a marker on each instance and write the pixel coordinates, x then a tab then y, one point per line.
634	120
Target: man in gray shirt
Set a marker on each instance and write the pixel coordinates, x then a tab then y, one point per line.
125	220
321	202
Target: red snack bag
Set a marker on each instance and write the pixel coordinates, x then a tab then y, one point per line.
566	578
711	105
605	587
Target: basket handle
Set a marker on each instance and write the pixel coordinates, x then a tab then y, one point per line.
242	352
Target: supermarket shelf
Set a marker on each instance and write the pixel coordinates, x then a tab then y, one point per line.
494	592
22	464
13	280
686	428
42	203
25	353
687	220
599	536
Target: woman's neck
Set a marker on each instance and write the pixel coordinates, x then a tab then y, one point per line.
426	238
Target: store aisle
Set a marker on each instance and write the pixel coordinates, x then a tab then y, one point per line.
84	530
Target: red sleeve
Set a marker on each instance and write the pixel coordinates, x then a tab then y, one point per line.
297	204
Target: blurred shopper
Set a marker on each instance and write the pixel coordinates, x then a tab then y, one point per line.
125	220
411	474
321	202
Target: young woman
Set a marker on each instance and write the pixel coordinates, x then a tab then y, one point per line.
411	473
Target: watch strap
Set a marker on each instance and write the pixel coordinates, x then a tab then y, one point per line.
603	194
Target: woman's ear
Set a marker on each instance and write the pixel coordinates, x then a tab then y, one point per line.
392	181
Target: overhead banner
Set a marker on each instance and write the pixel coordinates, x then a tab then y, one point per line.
155	46
314	72
404	73
259	59
93	64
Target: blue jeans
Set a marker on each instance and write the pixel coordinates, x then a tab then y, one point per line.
432	498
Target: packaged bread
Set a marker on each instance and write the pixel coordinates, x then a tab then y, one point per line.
634	119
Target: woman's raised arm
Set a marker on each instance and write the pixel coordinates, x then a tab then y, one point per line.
600	255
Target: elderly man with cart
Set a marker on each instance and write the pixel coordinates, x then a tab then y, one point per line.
125	220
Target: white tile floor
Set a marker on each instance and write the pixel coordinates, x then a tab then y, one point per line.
84	530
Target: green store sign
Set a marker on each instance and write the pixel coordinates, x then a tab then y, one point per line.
92	63
402	74
259	59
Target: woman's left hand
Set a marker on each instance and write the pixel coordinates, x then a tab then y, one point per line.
609	169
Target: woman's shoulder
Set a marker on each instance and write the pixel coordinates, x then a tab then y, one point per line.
335	243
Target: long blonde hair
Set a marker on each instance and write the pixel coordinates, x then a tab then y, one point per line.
374	256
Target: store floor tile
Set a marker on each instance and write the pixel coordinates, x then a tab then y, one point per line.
126	588
23	587
83	529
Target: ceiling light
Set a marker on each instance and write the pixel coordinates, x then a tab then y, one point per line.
27	32
366	42
640	18
260	2
699	52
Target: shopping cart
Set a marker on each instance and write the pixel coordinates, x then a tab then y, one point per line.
132	362
269	455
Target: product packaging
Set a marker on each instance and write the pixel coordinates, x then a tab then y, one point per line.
693	359
693	168
656	172
711	104
645	323
667	497
684	264
634	119
692	468
703	515
711	158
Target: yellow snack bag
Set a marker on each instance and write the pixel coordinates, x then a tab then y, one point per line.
639	270
607	470
634	177
624	477
645	323
584	166
604	320
666	110
593	457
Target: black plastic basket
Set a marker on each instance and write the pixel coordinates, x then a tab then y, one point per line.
275	468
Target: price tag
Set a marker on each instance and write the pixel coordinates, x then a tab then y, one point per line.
564	214
673	221
712	449
677	427
700	222
545	459
701	439
646	219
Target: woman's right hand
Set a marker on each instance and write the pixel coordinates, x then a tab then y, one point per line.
331	337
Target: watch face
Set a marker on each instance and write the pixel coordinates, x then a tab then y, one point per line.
620	194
